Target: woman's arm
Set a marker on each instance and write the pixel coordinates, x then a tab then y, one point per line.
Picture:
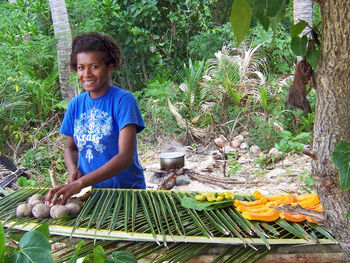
124	159
71	160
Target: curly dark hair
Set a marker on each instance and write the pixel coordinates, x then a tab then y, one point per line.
95	42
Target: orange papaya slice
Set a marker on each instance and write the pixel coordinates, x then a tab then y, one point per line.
286	199
254	209
250	203
317	208
267	216
292	217
309	202
257	195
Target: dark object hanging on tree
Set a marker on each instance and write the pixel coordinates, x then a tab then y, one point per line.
297	92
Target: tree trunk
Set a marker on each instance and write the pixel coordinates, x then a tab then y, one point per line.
332	122
302	10
64	41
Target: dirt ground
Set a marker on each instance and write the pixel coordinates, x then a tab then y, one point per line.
287	175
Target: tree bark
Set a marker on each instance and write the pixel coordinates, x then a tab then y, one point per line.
64	41
332	122
302	10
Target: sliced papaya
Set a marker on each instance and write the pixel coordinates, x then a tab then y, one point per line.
271	198
267	216
250	203
299	198
254	209
317	208
309	202
257	195
292	217
286	199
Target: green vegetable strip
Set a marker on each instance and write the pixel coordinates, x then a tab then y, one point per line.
321	230
170	211
241	223
172	201
127	208
227	250
97	209
290	228
261	234
163	211
219	227
232	228
86	209
105	209
117	205
159	218
145	193
134	210
199	223
270	228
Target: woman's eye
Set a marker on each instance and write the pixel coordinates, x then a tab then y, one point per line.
80	68
94	67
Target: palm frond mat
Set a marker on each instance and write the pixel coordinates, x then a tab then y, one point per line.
152	221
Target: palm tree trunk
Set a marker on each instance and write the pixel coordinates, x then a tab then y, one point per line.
64	40
332	122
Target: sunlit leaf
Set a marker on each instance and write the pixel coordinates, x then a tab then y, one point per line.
240	18
341	160
2	242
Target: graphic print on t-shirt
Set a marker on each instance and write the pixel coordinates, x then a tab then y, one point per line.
90	131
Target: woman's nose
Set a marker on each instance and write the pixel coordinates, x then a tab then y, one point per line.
87	71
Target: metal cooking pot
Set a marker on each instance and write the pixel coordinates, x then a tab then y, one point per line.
172	160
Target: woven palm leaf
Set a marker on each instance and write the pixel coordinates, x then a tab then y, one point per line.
157	216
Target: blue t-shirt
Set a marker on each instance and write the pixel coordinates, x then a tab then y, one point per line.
94	124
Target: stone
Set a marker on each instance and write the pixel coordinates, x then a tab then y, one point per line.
235	143
182	180
255	150
244	146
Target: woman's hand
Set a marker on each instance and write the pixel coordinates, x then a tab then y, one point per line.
64	191
74	174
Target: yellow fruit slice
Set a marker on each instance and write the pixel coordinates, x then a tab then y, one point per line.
250	203
292	217
267	216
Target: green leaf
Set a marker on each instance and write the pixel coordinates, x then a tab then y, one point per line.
75	256
33	248
98	255
123	257
44	229
201	205
260	11
299	45
240	18
274	7
341	160
2	242
297	28
313	56
348	214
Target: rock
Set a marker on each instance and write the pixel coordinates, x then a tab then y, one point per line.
235	143
244	146
239	138
274	152
220	141
255	149
182	180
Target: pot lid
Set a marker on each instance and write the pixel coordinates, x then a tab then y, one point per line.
171	155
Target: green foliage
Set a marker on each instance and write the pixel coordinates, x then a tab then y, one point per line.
340	159
240	18
308	181
263	133
290	143
33	247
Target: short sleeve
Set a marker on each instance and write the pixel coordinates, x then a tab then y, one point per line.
67	127
129	113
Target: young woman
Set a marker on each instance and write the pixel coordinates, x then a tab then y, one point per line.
100	124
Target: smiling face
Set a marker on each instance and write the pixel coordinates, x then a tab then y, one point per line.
93	73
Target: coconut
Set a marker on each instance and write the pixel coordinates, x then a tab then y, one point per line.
41	211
